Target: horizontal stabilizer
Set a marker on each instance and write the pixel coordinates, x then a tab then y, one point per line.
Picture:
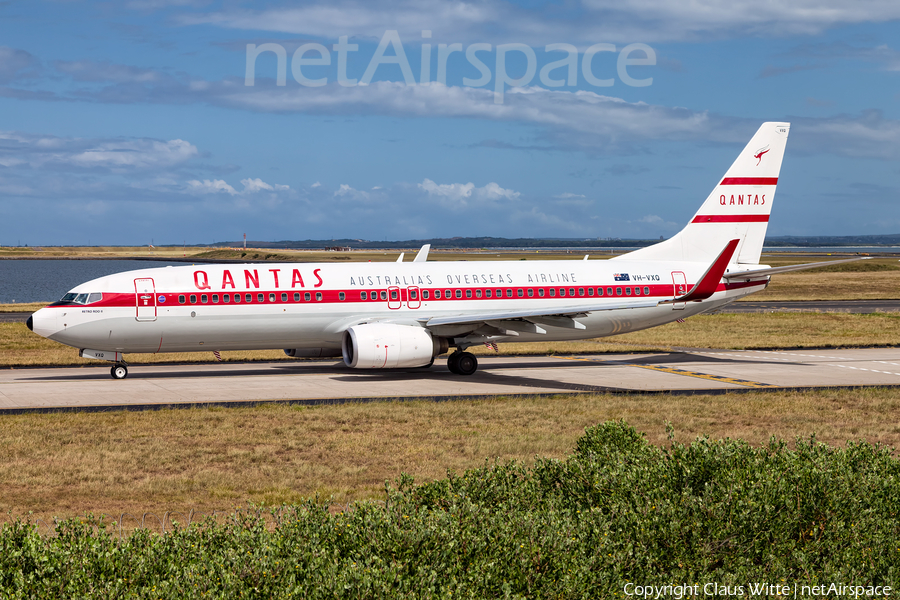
788	268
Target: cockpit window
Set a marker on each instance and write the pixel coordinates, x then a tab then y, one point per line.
72	298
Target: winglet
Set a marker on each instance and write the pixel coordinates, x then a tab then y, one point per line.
707	285
400	258
422	256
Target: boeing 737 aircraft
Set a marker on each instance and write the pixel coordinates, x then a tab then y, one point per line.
404	314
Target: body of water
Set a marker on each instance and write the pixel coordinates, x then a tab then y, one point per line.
47	280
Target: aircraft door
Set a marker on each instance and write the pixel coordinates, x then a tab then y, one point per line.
145	299
413	299
679	288
394	297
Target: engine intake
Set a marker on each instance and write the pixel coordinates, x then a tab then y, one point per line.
389	346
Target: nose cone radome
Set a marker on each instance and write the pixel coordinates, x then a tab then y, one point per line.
30	323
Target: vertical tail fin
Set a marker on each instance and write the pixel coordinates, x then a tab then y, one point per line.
738	207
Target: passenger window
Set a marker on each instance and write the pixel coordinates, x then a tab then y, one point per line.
520	292
249	298
562	292
478	293
487	293
306	296
468	293
363	295
590	291
571	291
637	291
284	297
609	292
393	294
628	291
215	298
383	295
296	296
508	293
424	294
552	292
459	293
204	298
181	299
193	298
618	291
437	294
581	291
237	298
226	298
599	291
530	292
646	291
341	296
318	296
541	292
413	295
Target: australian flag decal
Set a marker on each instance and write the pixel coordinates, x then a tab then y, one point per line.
622	277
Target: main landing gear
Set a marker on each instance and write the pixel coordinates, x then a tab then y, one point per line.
119	371
462	363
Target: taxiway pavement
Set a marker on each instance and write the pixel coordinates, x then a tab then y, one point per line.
316	382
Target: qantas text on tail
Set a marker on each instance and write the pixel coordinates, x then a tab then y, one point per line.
385	315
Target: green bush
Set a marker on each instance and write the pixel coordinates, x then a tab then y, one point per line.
617	510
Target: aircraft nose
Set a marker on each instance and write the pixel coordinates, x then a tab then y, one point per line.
30	323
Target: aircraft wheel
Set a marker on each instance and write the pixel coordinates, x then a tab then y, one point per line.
453	362
119	372
466	364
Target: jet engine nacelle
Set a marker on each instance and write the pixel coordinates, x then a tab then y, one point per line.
388	346
312	352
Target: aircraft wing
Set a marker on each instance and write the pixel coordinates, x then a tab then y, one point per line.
561	312
786	269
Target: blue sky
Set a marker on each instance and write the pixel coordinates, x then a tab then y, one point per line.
126	122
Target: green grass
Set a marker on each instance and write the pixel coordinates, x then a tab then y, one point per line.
617	510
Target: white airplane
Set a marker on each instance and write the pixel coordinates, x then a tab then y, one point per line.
402	315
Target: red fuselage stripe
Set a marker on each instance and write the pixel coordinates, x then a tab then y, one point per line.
731	219
749	181
127	299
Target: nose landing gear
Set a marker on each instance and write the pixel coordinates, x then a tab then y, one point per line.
119	371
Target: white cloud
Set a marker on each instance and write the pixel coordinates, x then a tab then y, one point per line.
218	186
348	193
215	186
456	196
568	195
119	155
587	22
258	185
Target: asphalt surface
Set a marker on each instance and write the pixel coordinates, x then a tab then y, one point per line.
694	370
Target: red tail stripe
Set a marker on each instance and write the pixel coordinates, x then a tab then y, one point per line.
731	219
749	181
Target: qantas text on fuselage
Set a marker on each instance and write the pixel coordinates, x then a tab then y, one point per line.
404	314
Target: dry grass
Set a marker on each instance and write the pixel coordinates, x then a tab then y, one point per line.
65	464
